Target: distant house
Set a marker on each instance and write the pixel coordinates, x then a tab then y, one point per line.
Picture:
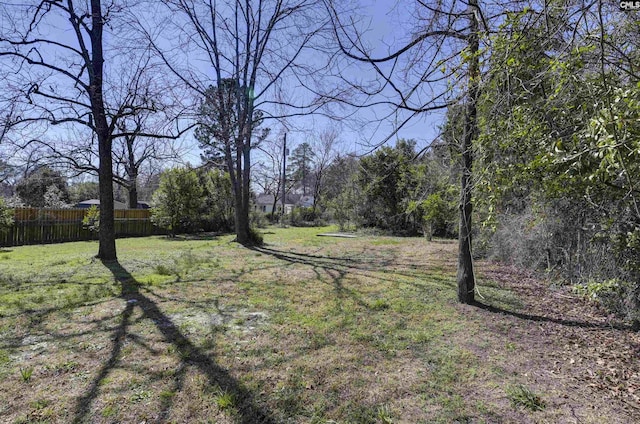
264	202
86	204
305	201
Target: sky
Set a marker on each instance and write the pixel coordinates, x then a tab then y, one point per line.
383	24
387	26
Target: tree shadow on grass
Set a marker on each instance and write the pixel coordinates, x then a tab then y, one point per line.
336	268
190	354
206	236
375	267
560	321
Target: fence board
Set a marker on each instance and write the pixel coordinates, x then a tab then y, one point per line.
40	226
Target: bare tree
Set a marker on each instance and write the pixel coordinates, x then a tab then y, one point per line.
255	46
324	147
61	77
133	151
6	120
436	69
268	170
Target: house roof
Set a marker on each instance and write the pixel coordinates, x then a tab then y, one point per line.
264	199
291	199
96	202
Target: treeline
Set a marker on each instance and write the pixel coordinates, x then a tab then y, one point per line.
395	190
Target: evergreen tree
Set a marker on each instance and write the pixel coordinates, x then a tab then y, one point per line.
301	166
32	189
178	201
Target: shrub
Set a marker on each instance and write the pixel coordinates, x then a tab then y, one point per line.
91	219
255	237
217	209
602	260
177	202
6	216
301	216
54	198
258	219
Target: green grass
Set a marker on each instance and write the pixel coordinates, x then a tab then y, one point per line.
306	329
522	396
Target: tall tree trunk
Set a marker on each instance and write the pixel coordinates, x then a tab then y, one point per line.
107	238
132	188
246	177
466	277
274	206
237	185
132	172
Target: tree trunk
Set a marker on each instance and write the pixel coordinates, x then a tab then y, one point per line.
274	206
466	277
132	188
132	172
241	192
244	215
236	185
107	237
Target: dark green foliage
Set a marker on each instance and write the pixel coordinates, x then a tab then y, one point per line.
178	201
216	213
191	200
395	190
437	213
300	166
301	216
387	178
217	121
83	191
560	154
228	129
33	188
406	194
341	192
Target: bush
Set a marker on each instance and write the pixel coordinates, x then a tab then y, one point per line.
91	219
177	202
602	262
301	217
255	237
436	214
217	209
6	216
258	219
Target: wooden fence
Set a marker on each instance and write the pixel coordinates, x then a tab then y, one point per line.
40	226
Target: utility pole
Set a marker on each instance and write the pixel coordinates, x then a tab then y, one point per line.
284	176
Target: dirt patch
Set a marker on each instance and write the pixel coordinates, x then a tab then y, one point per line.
242	320
586	361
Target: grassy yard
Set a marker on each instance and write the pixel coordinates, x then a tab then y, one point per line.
306	329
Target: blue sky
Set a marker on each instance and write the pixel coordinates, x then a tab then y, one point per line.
386	24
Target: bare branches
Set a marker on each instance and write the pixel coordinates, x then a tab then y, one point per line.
245	49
